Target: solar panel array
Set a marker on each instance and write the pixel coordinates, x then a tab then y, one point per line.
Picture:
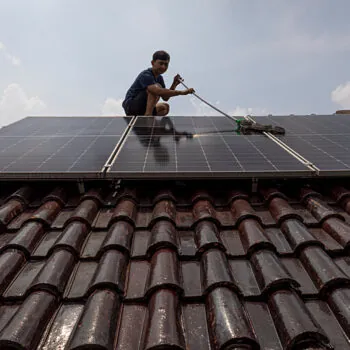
189	147
59	146
324	140
199	146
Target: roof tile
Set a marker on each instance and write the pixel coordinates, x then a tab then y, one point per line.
164	271
195	318
320	210
25	328
85	212
279	240
133	318
187	271
270	272
215	271
61	328
10	262
206	235
23	194
91	330
228	321
46	213
338	229
55	273
164	209
297	271
27	238
80	280
126	210
47	241
293	321
72	238
339	301
244	276
322	269
232	242
93	244
163	327
137	287
323	315
242	210
8	211
298	235
163	235
263	325
253	237
191	278
119	236
22	281
110	272
203	209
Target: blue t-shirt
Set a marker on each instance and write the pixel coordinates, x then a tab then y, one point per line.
143	80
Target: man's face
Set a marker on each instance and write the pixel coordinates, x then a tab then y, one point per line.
160	66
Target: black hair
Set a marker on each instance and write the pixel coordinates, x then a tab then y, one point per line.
161	55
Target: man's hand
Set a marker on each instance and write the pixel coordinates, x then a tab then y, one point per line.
177	80
187	91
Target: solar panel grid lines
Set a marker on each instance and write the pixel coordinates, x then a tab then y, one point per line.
199	146
59	147
228	147
109	147
324	140
199	141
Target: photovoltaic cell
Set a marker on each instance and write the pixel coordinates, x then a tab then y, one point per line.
59	147
203	146
324	140
66	126
309	124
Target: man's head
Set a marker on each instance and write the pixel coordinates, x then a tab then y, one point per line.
160	61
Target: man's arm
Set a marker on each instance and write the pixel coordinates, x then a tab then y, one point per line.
176	82
167	93
172	87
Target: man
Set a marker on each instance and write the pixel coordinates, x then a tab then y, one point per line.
143	95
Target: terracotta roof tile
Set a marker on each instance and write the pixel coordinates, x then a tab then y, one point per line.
144	268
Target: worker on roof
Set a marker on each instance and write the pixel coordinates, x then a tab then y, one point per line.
143	95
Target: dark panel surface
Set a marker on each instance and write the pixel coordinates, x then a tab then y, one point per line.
199	146
52	146
66	126
323	140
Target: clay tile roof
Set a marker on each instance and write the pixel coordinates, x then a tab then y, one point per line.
175	268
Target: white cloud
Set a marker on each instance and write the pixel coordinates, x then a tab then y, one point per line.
112	106
11	58
15	104
341	95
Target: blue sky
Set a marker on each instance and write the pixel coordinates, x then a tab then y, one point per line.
60	57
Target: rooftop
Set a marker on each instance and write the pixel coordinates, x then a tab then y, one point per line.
175	265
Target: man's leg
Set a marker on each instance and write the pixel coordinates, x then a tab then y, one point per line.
162	108
153	105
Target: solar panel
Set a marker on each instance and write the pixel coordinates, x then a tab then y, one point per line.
199	146
66	126
324	140
309	124
59	146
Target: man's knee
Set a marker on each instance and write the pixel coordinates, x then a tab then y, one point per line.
151	93
167	108
163	109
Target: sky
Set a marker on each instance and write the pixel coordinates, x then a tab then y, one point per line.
258	57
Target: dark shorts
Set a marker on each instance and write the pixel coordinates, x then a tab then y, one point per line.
138	105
